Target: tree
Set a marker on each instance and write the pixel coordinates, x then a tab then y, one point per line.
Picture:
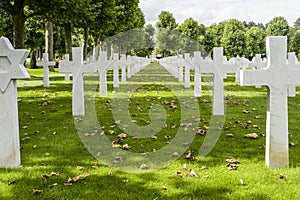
297	24
255	42
149	38
233	39
166	39
16	10
278	26
295	43
213	36
6	28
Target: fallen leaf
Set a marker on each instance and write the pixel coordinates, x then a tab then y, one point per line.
203	168
144	166
189	156
292	144
232	167
175	155
68	184
256	126
126	147
153	137
230	135
251	136
164	188
122	135
125	181
53	185
206	176
184	166
36	191
94	166
258	117
50	175
242	182
246	111
167	137
193	173
12	182
117	122
178	173
79	168
110	174
281	176
232	160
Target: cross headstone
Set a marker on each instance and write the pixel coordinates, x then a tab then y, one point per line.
278	77
187	70
66	63
103	64
219	67
78	68
11	68
116	80
180	69
45	63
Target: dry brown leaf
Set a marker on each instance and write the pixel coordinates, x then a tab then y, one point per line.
242	182
178	173
258	117
110	174
251	136
122	135
230	135
144	166
203	168
206	176
79	168
184	166
246	111
232	160
164	188
12	182
36	192
281	176
193	173
153	137
126	147
167	137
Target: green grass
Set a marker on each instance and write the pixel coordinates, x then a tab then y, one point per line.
50	143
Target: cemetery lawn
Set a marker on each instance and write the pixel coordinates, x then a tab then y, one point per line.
56	165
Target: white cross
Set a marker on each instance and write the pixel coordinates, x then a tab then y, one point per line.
11	68
78	69
278	77
45	63
65	64
187	70
102	66
219	67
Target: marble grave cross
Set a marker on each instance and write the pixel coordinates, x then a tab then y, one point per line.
11	68
278	77
66	63
78	69
45	63
219	67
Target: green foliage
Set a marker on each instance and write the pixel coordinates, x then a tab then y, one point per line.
255	42
295	42
278	26
233	39
297	24
213	37
167	40
6	28
166	21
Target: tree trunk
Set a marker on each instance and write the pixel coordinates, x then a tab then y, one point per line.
85	43
18	29
96	48
68	40
32	60
49	42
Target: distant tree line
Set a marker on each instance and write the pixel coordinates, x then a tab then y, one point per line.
236	37
54	26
